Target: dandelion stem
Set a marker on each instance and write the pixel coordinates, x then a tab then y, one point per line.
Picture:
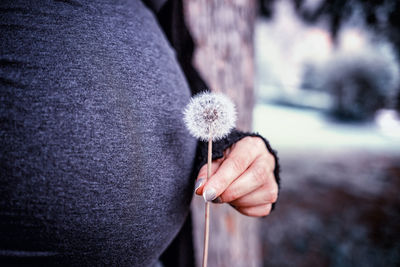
207	211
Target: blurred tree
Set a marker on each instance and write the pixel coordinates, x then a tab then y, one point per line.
360	84
223	33
380	16
266	8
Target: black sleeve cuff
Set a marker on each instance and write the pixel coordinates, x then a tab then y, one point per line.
221	145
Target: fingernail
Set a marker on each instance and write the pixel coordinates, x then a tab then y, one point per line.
198	184
209	194
218	200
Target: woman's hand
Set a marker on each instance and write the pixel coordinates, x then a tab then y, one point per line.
243	178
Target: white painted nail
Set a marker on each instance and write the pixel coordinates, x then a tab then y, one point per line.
209	195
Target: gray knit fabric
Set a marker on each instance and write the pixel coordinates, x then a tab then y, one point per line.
95	159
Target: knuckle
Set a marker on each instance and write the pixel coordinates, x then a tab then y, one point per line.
266	198
260	174
256	142
248	139
272	195
237	164
271	160
268	161
272	199
227	151
259	142
230	195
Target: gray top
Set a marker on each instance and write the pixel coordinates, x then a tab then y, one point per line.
95	159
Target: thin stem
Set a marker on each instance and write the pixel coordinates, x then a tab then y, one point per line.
207	211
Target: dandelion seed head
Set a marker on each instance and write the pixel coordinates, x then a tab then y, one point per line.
210	115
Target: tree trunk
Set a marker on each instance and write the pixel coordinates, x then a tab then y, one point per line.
223	33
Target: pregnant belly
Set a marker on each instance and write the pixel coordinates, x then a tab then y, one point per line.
95	161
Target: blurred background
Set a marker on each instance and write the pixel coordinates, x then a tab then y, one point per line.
321	80
327	97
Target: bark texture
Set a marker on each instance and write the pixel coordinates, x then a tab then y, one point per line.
224	56
223	33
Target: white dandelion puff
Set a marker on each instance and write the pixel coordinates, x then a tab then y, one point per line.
210	115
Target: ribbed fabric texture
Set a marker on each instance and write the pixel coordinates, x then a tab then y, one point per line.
96	162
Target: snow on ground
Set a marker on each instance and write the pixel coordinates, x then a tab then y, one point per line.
290	128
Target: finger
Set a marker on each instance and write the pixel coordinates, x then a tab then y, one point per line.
255	211
202	176
237	161
260	173
262	195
